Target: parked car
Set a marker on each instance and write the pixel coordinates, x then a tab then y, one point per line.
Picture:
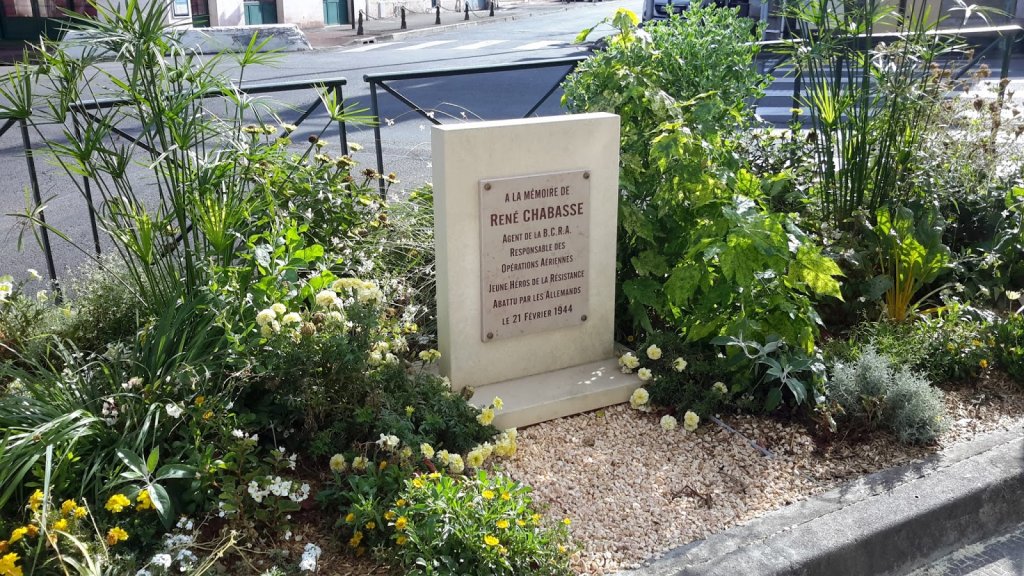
659	9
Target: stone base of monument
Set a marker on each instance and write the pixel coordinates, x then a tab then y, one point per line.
533	399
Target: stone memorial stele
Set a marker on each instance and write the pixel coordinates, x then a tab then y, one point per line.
525	229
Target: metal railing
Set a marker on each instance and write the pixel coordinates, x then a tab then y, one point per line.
88	109
381	81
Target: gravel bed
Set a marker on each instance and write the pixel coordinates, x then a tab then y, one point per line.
634	491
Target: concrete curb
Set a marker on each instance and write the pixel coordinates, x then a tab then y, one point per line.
887	523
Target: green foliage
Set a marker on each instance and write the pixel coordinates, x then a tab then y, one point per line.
1008	350
477	525
949	345
873	393
869	106
911	254
698	250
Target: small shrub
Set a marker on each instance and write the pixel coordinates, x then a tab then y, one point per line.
874	394
1008	349
477	525
103	309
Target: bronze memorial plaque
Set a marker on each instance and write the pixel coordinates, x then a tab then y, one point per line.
534	253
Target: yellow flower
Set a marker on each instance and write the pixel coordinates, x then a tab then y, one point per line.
143	501
975	343
35	500
520	523
503	524
9	565
502	550
401	540
355	539
115	535
491	540
18	534
200	400
487	494
434	475
506	496
983	363
383	465
208	415
80	512
350	518
566	521
32	530
535	518
390	515
562	549
401	523
417	482
371	525
68	507
486	416
400	502
497	403
117	503
61	525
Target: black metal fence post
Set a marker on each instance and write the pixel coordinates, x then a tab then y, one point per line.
359	30
375	111
403	18
38	199
437	14
87	188
467	10
491	5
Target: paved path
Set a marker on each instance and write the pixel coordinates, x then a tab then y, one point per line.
999	556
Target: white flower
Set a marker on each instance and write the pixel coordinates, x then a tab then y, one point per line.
291	318
359	463
668	423
653	352
628	362
455	464
427	450
33	274
690	421
326	298
265	317
132	383
720	387
338	463
639	398
279	308
6	289
442	457
679	365
301	494
309	557
173	410
388	442
644	374
1013	295
161	560
42	296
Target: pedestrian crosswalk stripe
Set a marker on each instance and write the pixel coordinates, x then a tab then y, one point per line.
368	47
423	45
539	45
479	45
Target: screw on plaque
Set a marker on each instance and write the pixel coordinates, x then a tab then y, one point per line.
583	318
487	186
586	175
490	335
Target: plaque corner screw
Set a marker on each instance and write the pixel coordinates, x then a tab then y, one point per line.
586	175
487	186
583	318
490	335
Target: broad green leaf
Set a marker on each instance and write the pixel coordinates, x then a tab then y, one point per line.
816	271
162	504
175	471
133	462
154	458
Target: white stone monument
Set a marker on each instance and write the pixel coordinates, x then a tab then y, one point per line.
525	230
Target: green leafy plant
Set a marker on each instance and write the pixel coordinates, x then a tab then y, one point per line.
870	103
911	254
872	393
477	525
1008	339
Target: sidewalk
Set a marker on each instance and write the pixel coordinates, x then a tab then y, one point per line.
389	28
424	23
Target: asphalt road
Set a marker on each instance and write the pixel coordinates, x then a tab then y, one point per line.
404	134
